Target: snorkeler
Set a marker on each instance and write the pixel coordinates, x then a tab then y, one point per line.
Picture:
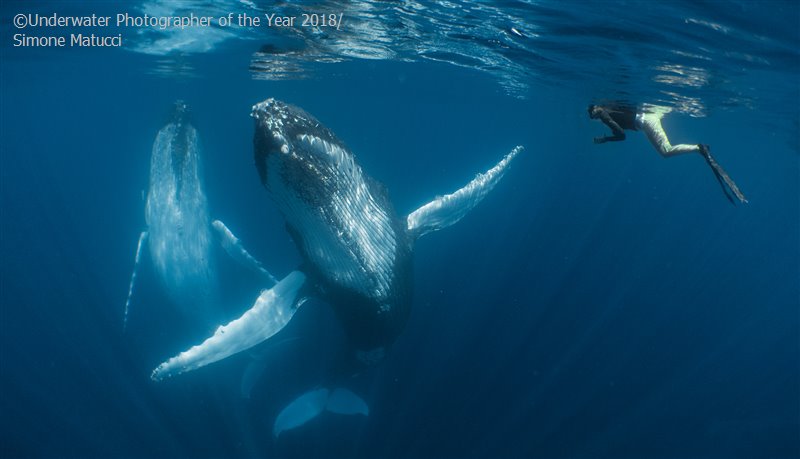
620	117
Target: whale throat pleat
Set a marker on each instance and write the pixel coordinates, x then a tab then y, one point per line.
349	235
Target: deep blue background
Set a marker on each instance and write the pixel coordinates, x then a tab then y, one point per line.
601	302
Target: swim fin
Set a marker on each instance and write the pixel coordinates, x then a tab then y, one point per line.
722	177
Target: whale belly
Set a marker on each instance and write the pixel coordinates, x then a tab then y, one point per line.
340	228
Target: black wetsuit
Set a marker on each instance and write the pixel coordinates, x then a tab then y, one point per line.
625	117
618	118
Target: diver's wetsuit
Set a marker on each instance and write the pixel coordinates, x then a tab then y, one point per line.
618	118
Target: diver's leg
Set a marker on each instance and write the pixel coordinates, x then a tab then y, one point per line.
683	148
142	239
650	123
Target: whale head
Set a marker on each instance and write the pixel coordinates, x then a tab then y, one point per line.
288	135
353	244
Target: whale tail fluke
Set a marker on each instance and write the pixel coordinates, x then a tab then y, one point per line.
449	209
272	311
233	246
142	240
312	403
343	401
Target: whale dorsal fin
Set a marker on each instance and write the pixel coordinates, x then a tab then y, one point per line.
447	210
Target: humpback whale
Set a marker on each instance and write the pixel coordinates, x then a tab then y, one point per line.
179	233
356	249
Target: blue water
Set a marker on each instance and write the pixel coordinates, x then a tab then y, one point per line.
601	302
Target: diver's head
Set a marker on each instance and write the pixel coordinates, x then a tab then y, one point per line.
592	111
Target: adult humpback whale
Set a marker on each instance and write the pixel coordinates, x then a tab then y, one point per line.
356	249
179	232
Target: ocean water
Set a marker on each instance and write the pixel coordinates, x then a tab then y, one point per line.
601	301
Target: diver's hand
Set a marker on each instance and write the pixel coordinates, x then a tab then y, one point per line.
599	140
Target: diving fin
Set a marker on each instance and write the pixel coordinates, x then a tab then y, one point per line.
722	177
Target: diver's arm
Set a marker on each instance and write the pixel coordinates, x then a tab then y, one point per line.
619	134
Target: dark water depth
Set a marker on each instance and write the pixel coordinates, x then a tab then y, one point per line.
601	302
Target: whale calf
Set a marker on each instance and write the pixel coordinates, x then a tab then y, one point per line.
179	232
356	249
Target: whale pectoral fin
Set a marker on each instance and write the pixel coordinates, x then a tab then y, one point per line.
142	240
447	210
271	312
309	405
233	246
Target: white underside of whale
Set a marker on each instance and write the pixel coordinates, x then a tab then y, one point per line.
360	253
